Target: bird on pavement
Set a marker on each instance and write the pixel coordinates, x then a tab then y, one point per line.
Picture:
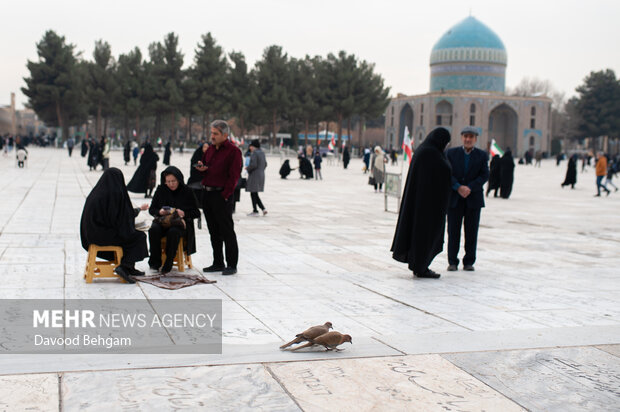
309	334
329	340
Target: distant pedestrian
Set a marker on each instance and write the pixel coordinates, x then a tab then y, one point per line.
70	144
611	171
256	177
559	158
135	152
105	153
601	172
377	163
167	153
346	156
571	172
507	170
393	156
84	150
538	157
285	169
419	234
127	152
317	165
495	175
366	160
144	179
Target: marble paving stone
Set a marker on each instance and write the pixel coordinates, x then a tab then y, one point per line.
32	293
490	320
470	341
569	317
226	388
613	349
427	383
29	392
567	379
232	353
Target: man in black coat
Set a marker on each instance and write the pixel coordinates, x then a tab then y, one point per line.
422	217
470	171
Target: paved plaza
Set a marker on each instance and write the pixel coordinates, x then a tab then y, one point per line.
535	327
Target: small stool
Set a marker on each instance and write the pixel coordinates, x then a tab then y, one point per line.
181	259
102	269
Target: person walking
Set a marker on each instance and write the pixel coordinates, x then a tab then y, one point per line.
377	163
105	153
601	171
70	144
571	172
221	169
507	168
317	165
167	153
612	169
419	234
346	157
144	179
256	177
470	171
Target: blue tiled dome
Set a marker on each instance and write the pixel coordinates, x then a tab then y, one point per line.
469	32
469	56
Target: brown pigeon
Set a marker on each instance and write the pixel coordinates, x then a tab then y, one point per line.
309	334
330	340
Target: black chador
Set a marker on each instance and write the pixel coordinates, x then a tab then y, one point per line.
285	170
143	180
421	224
108	219
494	175
167	153
571	172
507	174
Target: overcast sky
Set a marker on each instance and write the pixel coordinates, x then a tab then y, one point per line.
561	41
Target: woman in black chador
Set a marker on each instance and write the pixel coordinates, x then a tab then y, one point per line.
305	167
285	170
571	172
127	152
507	174
194	181
84	147
167	153
494	175
172	193
94	153
422	218
143	180
346	157
108	219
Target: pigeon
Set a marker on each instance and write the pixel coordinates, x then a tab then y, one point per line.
330	340
309	334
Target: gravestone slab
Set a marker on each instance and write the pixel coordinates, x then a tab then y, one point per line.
424	383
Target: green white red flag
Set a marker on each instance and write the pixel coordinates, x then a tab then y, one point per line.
495	149
407	152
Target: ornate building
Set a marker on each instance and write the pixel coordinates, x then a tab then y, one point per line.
468	76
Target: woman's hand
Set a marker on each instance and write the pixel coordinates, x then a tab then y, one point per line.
180	213
144	206
163	212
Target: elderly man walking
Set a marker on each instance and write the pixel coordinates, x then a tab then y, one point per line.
470	171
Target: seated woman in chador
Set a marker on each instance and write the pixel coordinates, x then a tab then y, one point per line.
172	195
108	219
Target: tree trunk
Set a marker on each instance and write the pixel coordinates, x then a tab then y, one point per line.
204	126
137	126
273	143
98	123
306	132
126	122
105	126
318	131
173	131
349	128
188	137
361	130
339	129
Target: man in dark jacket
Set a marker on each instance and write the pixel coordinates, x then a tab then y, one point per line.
470	171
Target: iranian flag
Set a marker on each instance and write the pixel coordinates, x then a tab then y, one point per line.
495	149
407	146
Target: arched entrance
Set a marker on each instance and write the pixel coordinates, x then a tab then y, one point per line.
406	119
443	112
503	127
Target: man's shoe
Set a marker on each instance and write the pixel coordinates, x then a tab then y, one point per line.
123	273
469	268
265	211
229	271
253	214
428	274
452	268
598	195
214	268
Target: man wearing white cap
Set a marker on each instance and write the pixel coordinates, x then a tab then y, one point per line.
470	171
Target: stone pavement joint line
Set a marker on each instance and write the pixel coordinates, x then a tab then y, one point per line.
535	327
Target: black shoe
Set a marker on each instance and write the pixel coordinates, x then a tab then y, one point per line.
166	268
428	274
134	272
124	273
214	268
452	268
229	271
608	192
469	268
